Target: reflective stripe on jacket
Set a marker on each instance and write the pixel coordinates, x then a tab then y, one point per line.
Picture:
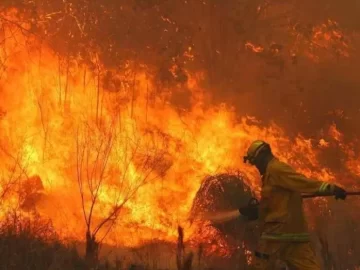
286	237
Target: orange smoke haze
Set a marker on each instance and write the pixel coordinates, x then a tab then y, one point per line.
60	122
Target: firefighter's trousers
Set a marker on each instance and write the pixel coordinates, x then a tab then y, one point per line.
297	256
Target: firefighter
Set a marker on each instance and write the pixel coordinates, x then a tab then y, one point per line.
284	231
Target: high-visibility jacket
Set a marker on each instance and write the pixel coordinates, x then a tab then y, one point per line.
281	208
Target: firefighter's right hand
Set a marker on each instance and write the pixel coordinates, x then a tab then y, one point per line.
339	193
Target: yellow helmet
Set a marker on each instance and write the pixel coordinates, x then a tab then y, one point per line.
253	150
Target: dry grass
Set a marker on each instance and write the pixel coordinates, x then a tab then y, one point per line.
31	243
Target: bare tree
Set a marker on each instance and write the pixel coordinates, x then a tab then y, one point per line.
12	175
109	162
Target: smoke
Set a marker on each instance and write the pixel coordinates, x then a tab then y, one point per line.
309	84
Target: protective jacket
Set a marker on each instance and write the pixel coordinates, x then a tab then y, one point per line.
281	209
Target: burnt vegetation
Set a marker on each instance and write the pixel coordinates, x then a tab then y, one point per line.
294	61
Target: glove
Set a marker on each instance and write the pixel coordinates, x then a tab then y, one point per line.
253	202
339	193
251	211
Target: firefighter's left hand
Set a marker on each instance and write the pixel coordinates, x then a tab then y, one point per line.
339	193
252	213
252	210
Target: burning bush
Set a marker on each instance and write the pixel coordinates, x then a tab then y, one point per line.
220	193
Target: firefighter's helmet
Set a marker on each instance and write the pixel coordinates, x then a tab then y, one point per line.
254	149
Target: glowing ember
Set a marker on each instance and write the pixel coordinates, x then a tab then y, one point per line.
253	47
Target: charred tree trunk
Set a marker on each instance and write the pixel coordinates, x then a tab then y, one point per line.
92	250
183	261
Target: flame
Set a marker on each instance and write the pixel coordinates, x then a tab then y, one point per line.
60	124
254	48
325	37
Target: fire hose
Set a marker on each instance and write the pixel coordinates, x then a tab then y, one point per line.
254	201
251	211
316	195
